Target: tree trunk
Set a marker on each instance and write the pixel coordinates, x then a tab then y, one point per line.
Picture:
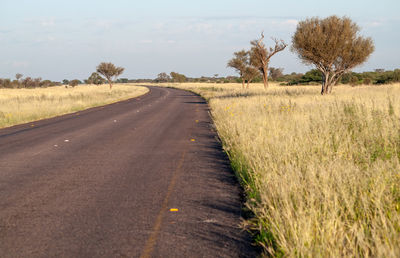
243	80
110	82
325	83
265	78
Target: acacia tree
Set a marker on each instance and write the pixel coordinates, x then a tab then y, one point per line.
332	45
163	77
177	77
95	79
260	55
250	73
239	62
18	76
109	71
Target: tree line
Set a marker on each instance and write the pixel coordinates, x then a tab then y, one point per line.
311	77
105	73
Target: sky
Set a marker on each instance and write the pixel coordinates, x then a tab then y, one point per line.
57	40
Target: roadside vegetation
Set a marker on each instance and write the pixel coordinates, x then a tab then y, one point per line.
25	105
321	174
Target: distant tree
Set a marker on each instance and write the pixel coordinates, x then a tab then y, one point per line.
240	62
275	73
367	81
354	81
250	73
18	76
332	45
313	75
260	55
95	79
109	71
37	82
177	77
163	77
65	82
74	83
6	83
28	82
123	80
45	83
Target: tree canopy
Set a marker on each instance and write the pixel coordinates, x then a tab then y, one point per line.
109	71
332	45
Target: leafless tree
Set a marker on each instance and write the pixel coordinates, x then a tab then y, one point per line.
260	55
332	45
109	71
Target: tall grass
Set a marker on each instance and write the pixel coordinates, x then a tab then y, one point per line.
321	173
26	105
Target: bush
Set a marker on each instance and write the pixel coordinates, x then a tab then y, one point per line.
354	80
367	81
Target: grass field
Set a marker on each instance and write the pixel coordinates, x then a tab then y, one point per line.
321	173
24	105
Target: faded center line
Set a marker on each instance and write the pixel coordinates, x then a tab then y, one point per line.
151	241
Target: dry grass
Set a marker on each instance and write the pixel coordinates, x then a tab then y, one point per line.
24	105
322	173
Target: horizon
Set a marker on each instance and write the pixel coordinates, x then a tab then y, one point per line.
59	41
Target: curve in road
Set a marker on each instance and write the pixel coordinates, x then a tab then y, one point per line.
143	177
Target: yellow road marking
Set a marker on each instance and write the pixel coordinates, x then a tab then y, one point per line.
173	209
151	241
192	140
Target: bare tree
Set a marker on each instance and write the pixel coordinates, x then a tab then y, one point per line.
332	45
260	56
109	71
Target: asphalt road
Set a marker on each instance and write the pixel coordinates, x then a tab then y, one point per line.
144	177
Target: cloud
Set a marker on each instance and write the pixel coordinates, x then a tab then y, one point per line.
47	22
375	24
20	64
291	22
146	41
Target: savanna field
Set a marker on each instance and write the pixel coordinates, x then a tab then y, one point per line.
321	173
25	105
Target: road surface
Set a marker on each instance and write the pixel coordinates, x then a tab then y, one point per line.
144	177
